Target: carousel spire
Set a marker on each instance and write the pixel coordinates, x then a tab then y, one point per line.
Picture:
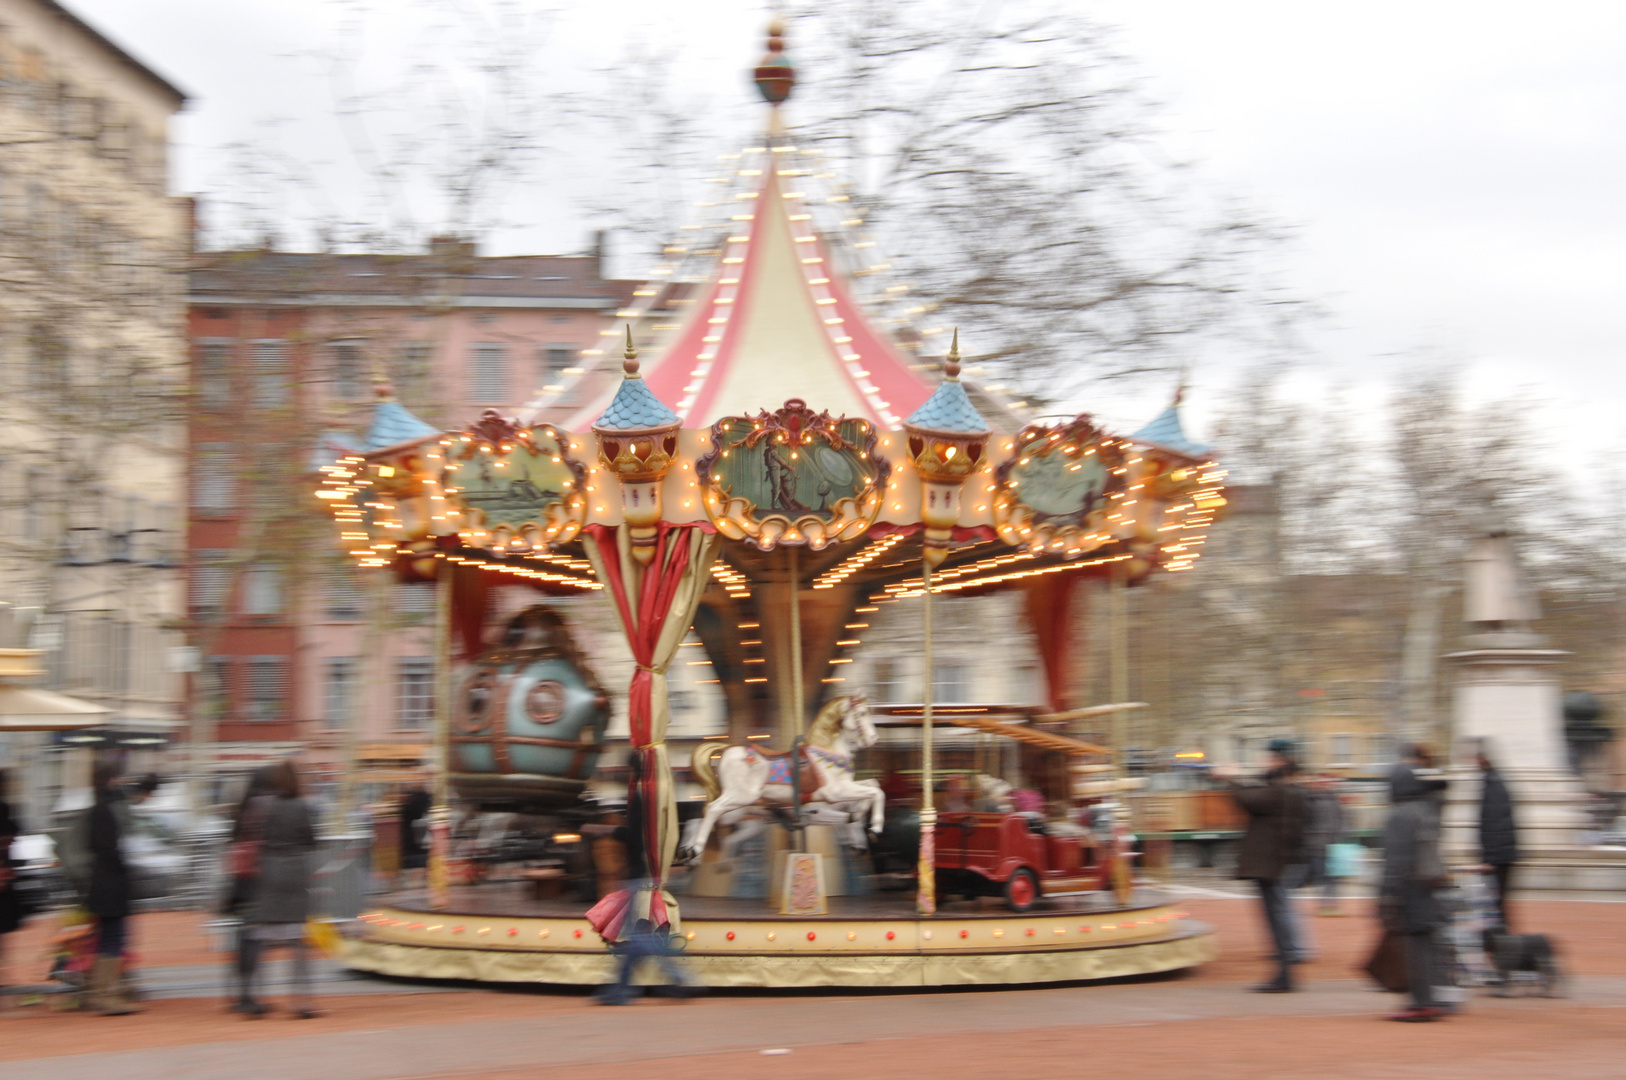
629	362
774	74
949	410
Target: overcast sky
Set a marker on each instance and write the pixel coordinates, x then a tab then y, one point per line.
1455	173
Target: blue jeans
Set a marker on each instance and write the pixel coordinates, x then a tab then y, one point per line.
1274	898
643	944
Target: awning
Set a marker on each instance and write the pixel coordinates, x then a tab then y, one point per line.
25	708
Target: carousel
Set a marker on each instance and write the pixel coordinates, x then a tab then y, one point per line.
780	472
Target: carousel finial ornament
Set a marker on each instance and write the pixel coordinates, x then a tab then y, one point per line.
637	440
774	74
947	441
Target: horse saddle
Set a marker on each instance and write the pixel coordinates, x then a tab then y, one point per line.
781	762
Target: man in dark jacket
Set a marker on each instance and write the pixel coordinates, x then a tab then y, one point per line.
1412	872
1275	808
1498	836
109	894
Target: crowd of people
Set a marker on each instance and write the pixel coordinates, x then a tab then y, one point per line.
1292	840
268	886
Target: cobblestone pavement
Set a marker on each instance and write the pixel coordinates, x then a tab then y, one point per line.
1200	1024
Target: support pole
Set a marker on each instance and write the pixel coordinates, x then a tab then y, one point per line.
440	815
926	898
1118	604
796	693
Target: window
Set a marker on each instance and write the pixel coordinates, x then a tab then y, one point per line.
214	478
1343	749
344	595
1379	750
267	687
215	689
213	375
555	358
412	372
887	681
270	373
46	363
211	578
36	510
262	590
414	692
949	682
347	370
488	379
339	691
415	599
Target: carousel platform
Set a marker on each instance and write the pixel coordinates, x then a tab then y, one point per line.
496	933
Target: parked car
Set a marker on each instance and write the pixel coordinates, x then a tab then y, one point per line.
40	880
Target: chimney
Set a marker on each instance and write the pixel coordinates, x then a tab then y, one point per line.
601	254
453	247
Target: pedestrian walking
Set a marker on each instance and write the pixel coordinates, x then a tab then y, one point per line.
109	895
414	840
1275	808
645	941
1498	833
1412	873
243	877
11	899
1323	828
280	901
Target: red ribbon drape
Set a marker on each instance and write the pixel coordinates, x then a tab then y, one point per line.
1050	607
657	587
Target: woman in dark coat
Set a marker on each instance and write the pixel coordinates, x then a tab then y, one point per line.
1412	872
247	834
11	901
281	895
109	896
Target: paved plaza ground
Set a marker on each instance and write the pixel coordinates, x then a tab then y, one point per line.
1200	1024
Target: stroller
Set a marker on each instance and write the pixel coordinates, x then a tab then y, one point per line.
1470	909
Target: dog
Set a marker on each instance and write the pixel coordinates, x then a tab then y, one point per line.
1524	960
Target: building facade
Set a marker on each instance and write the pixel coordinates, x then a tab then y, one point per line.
93	361
291	354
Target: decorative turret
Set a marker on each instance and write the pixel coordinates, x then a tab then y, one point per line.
774	75
947	440
1165	432
637	438
393	423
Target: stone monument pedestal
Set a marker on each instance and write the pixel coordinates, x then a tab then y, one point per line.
1508	696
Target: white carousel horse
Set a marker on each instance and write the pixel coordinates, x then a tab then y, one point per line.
746	776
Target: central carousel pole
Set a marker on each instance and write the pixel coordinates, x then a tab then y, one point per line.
946	442
440	814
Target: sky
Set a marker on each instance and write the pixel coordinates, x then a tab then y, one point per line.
1453	175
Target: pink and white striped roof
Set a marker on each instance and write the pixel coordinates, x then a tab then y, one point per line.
775	320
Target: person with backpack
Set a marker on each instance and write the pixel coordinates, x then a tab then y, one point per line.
1270	846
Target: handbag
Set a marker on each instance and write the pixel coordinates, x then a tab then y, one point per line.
243	854
1388	964
1344	860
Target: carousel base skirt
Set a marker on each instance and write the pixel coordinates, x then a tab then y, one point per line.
872	942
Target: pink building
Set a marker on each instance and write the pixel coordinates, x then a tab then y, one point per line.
292	352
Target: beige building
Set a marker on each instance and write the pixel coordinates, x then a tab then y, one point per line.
92	249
